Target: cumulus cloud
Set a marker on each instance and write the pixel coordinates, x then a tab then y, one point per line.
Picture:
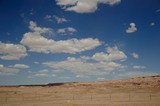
135	55
59	20
41	73
38	43
12	69
48	17
132	28
98	64
139	67
113	54
7	70
20	66
65	31
80	67
10	51
36	62
84	6
34	28
85	58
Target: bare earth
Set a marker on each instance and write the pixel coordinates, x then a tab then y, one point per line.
144	91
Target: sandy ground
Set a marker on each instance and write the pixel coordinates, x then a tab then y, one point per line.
112	93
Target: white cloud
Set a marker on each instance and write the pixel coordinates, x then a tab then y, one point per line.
48	17
66	31
36	62
41	75
33	27
10	51
139	67
152	24
132	28
135	55
100	63
38	43
57	71
12	69
61	31
100	79
59	20
7	70
71	30
85	58
133	74
84	6
43	71
21	66
53	75
80	67
113	54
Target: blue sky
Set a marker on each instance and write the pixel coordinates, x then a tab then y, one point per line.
45	41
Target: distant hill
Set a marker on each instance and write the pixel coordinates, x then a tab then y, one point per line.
139	82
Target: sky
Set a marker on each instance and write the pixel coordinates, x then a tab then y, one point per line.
47	41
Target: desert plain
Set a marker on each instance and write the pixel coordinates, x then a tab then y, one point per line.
142	91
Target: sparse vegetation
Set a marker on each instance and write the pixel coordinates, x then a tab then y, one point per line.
119	92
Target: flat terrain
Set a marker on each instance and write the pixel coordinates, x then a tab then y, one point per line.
144	91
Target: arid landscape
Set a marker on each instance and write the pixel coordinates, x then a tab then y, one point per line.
79	53
142	91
